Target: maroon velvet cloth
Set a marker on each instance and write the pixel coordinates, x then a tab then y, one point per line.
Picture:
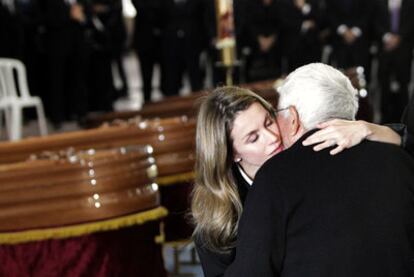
176	198
125	252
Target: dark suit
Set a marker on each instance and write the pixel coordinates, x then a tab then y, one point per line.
108	40
67	60
408	119
312	214
264	21
300	46
115	30
395	65
11	33
352	13
147	40
183	40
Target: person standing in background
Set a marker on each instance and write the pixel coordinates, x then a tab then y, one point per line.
264	28
147	41
408	120
106	40
184	38
395	27
11	30
349	21
118	31
33	46
302	23
66	50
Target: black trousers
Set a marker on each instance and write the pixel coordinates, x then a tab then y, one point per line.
100	81
180	56
356	54
148	58
394	77
67	63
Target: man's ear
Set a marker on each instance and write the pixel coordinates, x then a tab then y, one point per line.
294	121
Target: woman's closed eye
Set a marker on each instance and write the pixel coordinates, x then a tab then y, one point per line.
253	138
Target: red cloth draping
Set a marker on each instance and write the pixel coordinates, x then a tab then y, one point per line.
176	198
125	252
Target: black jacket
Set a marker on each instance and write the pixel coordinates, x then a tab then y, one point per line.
149	22
313	214
357	14
408	119
214	264
406	23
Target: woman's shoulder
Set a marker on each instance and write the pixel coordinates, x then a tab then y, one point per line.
213	263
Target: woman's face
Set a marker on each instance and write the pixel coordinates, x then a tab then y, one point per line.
255	137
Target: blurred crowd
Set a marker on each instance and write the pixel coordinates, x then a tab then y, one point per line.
72	47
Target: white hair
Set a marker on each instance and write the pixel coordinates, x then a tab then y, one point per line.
319	92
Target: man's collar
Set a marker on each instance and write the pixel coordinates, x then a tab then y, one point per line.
303	137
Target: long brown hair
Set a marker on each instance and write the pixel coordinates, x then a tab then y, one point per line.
216	205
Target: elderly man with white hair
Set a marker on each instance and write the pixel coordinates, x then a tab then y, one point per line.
315	93
312	214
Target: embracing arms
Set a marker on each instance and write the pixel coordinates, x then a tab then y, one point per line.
346	134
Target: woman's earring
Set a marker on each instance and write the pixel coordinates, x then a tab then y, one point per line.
238	160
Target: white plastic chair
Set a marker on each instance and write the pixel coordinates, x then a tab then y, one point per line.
15	96
3	107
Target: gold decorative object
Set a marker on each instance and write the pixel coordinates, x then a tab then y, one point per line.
226	39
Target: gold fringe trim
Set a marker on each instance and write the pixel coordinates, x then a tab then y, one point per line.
83	229
178	178
178	243
160	239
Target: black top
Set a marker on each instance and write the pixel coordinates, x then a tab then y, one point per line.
214	264
353	13
313	214
408	119
148	24
382	22
403	129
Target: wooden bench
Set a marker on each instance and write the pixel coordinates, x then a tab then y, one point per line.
175	106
